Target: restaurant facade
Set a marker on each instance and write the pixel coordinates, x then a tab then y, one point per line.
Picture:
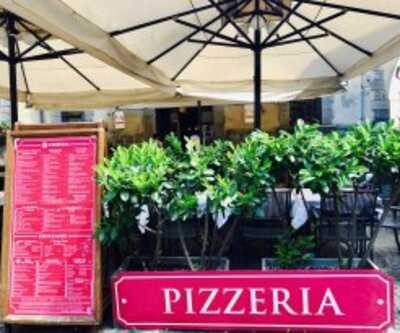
209	199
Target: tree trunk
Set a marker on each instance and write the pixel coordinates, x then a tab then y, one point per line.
353	223
184	246
281	212
213	241
205	241
337	229
228	238
157	249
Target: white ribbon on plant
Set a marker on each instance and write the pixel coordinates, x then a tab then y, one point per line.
143	219
222	217
201	203
298	212
106	210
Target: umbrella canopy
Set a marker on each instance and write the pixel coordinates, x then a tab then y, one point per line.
47	72
209	49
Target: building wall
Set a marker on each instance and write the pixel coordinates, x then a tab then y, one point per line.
5	116
394	95
275	116
241	117
366	98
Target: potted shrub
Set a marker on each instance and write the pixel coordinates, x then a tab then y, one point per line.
328	163
149	188
293	251
307	155
297	251
378	148
219	185
133	179
242	189
187	197
330	168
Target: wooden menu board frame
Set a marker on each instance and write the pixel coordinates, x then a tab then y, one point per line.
48	131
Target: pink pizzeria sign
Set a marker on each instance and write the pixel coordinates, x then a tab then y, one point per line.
353	300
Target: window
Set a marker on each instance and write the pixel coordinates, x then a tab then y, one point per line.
72	116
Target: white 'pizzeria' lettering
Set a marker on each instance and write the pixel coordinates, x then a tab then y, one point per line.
252	301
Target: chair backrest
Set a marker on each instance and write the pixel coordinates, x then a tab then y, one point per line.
362	202
278	204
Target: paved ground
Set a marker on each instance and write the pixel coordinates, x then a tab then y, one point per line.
386	257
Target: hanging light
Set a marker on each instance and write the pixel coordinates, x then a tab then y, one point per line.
266	19
249	114
119	120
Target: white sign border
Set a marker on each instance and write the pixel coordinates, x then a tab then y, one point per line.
252	276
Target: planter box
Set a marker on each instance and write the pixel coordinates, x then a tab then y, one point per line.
171	264
316	263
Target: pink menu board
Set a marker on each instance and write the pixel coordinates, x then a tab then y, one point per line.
52	251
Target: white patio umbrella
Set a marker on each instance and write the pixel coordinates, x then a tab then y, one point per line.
237	50
42	70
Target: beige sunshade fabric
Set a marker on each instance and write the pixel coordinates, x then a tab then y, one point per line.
106	75
167	62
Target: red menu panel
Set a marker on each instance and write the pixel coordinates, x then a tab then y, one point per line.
52	252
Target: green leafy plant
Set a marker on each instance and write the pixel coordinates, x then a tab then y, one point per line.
134	179
251	171
184	182
293	149
294	251
197	171
322	163
4	126
376	147
191	175
331	166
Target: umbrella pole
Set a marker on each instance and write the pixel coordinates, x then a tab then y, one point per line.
257	89
12	64
257	73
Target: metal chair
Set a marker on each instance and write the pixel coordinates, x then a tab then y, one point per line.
170	237
270	224
341	209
